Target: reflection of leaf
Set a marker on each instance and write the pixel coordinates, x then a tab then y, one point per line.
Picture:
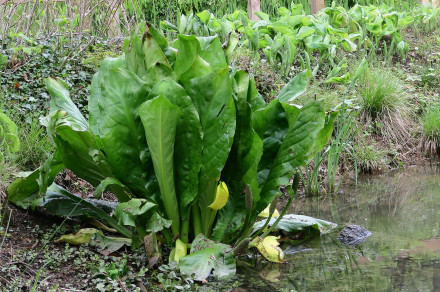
293	223
207	255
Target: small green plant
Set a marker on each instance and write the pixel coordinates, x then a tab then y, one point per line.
345	130
431	130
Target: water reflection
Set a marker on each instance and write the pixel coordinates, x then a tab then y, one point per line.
402	210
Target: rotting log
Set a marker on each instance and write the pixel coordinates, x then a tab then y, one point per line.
317	5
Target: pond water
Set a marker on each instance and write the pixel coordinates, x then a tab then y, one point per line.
401	209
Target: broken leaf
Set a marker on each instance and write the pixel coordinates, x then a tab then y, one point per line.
81	237
206	256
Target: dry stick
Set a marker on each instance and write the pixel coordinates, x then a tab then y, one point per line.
31	16
6	231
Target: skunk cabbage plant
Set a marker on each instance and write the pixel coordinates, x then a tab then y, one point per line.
188	146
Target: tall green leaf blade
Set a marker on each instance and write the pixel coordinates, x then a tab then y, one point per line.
241	168
212	52
160	117
153	52
188	144
95	91
188	51
212	97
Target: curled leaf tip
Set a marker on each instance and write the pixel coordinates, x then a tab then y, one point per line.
221	197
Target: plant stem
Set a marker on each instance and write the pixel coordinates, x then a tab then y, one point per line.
211	222
279	218
184	228
197	224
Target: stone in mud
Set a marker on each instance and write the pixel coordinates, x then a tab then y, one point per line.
353	235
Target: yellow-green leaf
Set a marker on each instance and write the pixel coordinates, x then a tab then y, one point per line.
178	252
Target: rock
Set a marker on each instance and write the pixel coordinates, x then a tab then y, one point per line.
353	235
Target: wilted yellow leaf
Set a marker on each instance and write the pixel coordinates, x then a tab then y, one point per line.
269	248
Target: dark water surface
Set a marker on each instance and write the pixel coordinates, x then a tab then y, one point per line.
402	209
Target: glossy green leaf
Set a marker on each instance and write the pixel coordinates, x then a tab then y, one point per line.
120	131
60	100
295	87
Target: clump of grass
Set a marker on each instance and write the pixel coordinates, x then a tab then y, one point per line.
369	157
379	93
35	145
431	130
384	103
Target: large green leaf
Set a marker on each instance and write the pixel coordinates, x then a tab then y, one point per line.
212	97
212	52
206	256
188	51
241	167
120	130
271	125
153	52
294	150
79	150
95	91
160	117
